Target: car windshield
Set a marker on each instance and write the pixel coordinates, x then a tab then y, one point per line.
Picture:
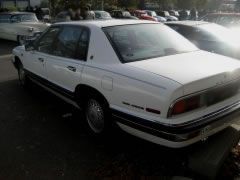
24	18
220	33
145	41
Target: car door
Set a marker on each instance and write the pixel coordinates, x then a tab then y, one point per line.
35	60
65	66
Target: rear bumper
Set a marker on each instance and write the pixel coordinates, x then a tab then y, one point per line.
179	135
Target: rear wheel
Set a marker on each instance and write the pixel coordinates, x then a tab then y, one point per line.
97	116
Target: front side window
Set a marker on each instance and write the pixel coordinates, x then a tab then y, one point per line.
66	42
146	41
45	42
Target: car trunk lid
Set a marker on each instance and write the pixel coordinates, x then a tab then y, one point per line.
196	71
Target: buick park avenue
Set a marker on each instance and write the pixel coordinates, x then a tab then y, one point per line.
134	74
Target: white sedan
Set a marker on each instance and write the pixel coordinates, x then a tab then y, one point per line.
17	26
155	83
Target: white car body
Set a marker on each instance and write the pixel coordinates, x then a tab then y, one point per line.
13	30
131	89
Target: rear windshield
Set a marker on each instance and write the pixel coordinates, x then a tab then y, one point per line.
145	41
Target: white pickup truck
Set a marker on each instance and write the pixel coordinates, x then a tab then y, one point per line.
142	75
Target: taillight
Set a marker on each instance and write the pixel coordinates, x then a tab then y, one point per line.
185	105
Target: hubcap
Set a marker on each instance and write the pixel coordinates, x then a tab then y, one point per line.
95	116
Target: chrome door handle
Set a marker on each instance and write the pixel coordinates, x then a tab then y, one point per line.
41	59
71	68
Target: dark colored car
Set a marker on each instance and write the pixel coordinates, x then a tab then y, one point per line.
184	15
209	36
120	14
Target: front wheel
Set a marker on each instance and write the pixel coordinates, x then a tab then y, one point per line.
97	117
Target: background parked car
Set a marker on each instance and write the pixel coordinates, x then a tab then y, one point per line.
209	36
17	26
229	20
184	15
62	17
120	14
102	15
166	15
154	15
174	13
143	15
46	14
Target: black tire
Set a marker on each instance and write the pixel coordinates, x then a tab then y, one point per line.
22	77
97	116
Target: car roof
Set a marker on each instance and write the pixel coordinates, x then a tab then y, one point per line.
187	23
15	13
107	23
